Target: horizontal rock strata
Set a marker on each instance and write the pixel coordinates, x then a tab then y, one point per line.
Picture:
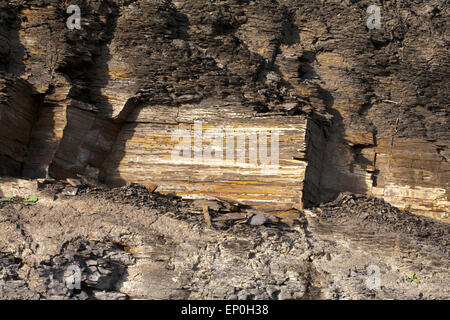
221	152
379	98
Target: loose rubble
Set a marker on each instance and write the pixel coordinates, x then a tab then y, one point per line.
134	243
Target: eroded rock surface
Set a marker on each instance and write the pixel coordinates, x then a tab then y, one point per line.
80	101
129	243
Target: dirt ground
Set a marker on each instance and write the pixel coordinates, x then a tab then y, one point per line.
131	243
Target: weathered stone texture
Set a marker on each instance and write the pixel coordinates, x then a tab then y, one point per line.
204	152
132	244
378	97
17	116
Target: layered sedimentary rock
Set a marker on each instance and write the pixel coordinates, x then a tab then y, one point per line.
127	243
220	151
17	116
378	97
389	97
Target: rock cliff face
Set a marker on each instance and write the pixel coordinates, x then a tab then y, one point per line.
86	101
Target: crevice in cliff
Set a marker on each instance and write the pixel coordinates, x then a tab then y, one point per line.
17	104
86	66
18	114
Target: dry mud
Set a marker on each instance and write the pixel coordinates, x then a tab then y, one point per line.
130	243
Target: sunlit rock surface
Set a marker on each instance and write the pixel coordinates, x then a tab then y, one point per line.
77	101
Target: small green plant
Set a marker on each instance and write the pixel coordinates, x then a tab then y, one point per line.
8	199
31	199
412	277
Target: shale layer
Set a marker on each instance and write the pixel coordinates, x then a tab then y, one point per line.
92	101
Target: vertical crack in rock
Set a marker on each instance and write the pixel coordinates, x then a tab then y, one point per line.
89	110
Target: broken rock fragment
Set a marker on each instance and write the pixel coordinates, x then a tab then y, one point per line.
258	219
